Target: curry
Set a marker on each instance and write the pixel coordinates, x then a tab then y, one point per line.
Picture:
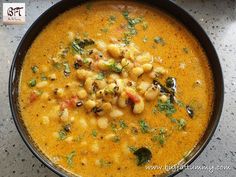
112	88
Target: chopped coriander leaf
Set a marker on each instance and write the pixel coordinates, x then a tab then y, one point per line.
34	69
112	19
66	68
145	39
62	134
131	30
116	139
166	107
113	126
159	40
104	163
100	76
123	124
57	65
32	82
85	34
185	50
181	124
132	149
159	138
145	25
77	48
104	30
70	157
144	126
94	133
180	103
43	77
115	67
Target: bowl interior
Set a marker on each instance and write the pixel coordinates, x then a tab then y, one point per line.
167	6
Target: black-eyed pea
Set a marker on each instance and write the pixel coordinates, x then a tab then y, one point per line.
112	78
45	95
103	65
101	45
137	72
125	74
88	85
64	115
101	84
144	58
59	92
151	93
53	77
158	71
163	98
143	86
42	84
89	105
95	147
106	107
102	122
114	50
147	67
116	113
122	100
109	136
139	106
82	94
69	139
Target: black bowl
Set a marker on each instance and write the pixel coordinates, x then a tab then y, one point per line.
167	6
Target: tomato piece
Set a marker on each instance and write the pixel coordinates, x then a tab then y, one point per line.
33	97
69	103
133	98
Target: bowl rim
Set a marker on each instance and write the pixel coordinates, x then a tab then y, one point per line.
217	77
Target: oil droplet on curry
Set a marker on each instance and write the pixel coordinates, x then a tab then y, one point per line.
110	88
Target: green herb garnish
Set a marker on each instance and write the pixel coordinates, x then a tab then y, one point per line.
145	39
123	124
32	82
43	77
94	133
161	137
112	19
34	69
166	107
181	124
132	149
66	68
144	126
104	163
104	30
159	40
62	134
70	157
116	139
100	76
185	50
145	25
